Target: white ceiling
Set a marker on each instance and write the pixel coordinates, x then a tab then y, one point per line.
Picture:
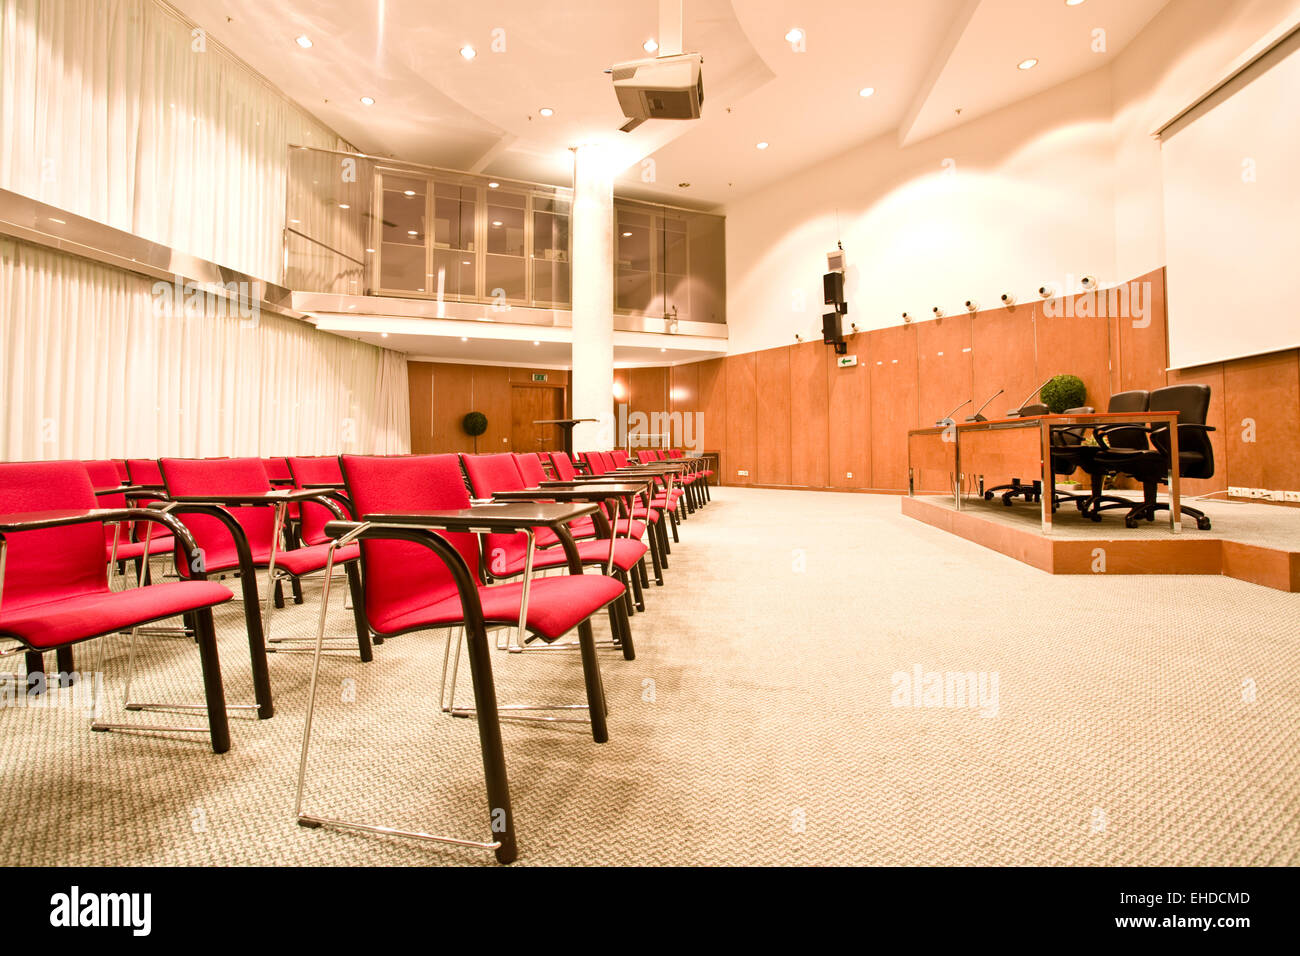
925	58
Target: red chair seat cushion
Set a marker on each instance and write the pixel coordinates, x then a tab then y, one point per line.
555	605
626	554
298	561
131	550
88	615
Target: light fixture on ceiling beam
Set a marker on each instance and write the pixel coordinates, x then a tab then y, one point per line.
1073	3
867	91
493	185
468	52
303	41
794	35
762	145
546	111
1028	64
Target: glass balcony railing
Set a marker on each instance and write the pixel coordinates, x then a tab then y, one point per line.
359	225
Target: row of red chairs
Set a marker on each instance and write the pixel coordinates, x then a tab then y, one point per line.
222	517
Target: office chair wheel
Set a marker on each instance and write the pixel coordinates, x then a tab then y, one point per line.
988	496
1203	523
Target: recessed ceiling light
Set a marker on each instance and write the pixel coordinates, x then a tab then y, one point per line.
866	91
368	100
626	234
344	205
383	335
493	185
762	145
546	111
650	45
370	250
466	262
663	350
468	52
295	221
1028	64
303	41
408	192
535	342
412	232
496	222
1073	3
464	338
795	35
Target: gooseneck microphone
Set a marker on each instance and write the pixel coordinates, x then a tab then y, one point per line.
1016	411
977	417
947	419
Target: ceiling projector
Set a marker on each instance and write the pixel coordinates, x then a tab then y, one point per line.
663	87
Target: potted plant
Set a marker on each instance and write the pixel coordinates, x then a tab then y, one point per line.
1062	392
475	424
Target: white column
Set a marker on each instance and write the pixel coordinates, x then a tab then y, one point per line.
593	299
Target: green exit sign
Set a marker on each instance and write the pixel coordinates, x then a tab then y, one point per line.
539	377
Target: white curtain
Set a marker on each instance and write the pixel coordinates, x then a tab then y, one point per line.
93	368
116	110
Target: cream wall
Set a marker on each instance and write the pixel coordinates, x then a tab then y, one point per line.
1065	183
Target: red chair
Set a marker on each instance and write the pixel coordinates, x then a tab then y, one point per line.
238	533
54	590
418	578
125	540
323	475
498	472
122	473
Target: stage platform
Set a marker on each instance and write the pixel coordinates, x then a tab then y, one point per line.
1258	543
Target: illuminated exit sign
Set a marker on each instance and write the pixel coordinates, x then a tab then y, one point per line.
846	361
539	377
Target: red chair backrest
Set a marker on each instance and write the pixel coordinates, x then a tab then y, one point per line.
563	466
143	471
530	469
674	453
104	474
317	470
620	458
53	563
488	474
401	576
122	473
209	476
277	469
594	463
607	460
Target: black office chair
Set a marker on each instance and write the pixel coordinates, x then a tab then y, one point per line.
1069	453
1032	491
1152	466
1127	437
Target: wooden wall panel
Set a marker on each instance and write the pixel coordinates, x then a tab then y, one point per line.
1211	375
1002	342
774	420
742	417
648	389
849	419
809	414
452	393
419	376
1066	344
713	413
1265	390
945	376
1143	348
893	403
492	398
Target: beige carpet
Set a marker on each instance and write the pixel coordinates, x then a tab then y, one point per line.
757	725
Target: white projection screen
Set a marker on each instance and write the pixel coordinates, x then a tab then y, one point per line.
1232	215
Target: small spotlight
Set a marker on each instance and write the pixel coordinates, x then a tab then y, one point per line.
408	192
1046	291
867	91
626	234
1008	298
907	317
468	52
464	338
496	222
303	41
938	312
412	232
650	45
535	342
344	205
370	250
1028	64
493	185
762	145
546	111
383	335
972	305
794	36
368	100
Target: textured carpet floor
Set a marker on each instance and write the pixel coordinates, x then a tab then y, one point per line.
1138	720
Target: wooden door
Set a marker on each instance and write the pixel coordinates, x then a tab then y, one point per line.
529	403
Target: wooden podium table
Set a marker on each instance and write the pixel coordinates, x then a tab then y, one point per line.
566	426
1020	446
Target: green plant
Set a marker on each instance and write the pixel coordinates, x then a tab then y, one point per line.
1062	392
475	424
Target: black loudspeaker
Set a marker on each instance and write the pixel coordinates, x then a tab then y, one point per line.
832	330
833	288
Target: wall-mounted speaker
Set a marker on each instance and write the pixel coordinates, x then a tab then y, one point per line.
833	288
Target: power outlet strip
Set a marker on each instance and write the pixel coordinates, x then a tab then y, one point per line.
1292	496
742	474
